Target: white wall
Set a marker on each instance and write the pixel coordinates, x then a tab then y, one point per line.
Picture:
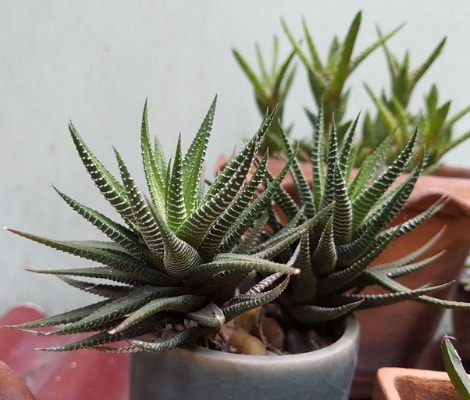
95	62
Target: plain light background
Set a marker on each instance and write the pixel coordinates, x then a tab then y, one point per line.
95	62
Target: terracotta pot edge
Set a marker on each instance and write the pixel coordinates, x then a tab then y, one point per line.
385	381
455	206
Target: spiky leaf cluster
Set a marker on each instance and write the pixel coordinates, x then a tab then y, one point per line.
271	88
169	270
328	80
354	212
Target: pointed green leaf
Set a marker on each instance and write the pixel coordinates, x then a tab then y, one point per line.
342	213
342	69
114	259
99	289
311	314
243	262
196	227
95	273
63	318
182	303
304	285
114	310
324	256
368	197
175	198
223	224
172	340
455	369
245	302
111	189
116	232
418	74
211	316
154	166
253	212
141	212
193	161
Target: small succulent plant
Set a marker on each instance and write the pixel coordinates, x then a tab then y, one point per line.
352	214
271	88
171	269
328	81
435	123
393	111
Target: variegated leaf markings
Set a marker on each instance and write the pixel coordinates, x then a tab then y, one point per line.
324	256
363	203
194	160
181	303
62	318
108	273
252	212
342	213
304	285
111	189
246	302
154	166
234	164
243	262
311	314
119	260
141	212
317	160
223	224
120	234
99	289
175	203
114	310
180	258
332	159
198	224
303	190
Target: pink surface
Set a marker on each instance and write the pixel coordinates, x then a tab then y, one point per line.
77	375
84	374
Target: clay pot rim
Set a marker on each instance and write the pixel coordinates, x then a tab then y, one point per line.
454	206
388	379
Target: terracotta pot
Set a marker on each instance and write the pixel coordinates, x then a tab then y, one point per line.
12	387
209	374
453	172
408	327
397	335
413	384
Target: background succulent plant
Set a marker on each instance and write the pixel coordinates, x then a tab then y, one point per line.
328	78
271	88
328	83
169	269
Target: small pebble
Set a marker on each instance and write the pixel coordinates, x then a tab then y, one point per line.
248	320
245	343
273	332
298	342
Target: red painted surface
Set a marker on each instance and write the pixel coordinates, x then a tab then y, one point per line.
83	374
77	375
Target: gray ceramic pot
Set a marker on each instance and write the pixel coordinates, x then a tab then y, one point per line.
324	374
